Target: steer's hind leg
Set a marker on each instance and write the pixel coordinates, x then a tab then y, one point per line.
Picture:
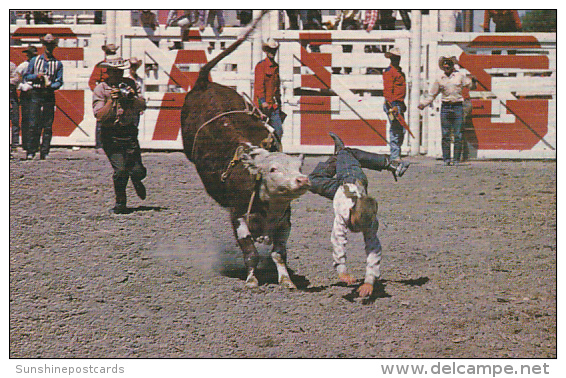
279	252
246	243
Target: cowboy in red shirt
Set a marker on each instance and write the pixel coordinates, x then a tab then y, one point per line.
99	73
505	20
394	91
267	91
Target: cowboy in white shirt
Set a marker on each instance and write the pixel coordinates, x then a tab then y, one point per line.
450	84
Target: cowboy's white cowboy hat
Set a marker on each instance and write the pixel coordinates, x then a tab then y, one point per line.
49	39
270	43
110	49
443	58
393	52
116	63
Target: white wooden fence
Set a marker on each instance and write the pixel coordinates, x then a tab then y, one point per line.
331	81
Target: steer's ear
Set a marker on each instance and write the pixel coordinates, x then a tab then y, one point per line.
249	163
253	159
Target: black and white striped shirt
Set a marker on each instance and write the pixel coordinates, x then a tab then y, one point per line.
50	67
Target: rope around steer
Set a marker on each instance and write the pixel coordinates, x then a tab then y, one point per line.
250	109
235	160
211	120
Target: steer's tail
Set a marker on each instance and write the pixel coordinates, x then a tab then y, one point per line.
205	70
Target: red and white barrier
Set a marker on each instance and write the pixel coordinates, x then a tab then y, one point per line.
331	81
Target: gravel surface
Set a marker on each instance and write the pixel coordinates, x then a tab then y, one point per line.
469	267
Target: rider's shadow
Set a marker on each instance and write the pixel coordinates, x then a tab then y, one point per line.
379	289
414	281
378	292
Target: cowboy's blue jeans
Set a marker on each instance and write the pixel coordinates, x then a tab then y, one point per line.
275	121
41	116
341	168
396	131
451	120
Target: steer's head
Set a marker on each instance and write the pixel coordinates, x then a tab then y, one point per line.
281	177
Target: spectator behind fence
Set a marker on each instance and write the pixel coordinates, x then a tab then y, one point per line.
213	14
25	95
185	21
293	15
505	20
98	17
46	74
347	20
245	16
173	17
406	18
149	23
311	19
451	84
386	19
42	17
371	19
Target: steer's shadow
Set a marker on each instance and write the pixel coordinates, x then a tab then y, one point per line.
268	275
230	264
414	281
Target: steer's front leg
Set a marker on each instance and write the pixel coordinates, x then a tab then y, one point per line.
280	234
246	243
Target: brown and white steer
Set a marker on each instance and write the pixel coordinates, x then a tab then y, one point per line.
237	159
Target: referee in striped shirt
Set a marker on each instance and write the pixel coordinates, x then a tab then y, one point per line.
45	73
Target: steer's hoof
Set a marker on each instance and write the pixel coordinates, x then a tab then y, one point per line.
286	282
265	239
252	282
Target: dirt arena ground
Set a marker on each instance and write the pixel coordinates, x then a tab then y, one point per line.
469	267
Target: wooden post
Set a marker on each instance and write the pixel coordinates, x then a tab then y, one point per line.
415	72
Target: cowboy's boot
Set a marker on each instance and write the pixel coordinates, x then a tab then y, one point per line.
120	191
398	168
338	144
